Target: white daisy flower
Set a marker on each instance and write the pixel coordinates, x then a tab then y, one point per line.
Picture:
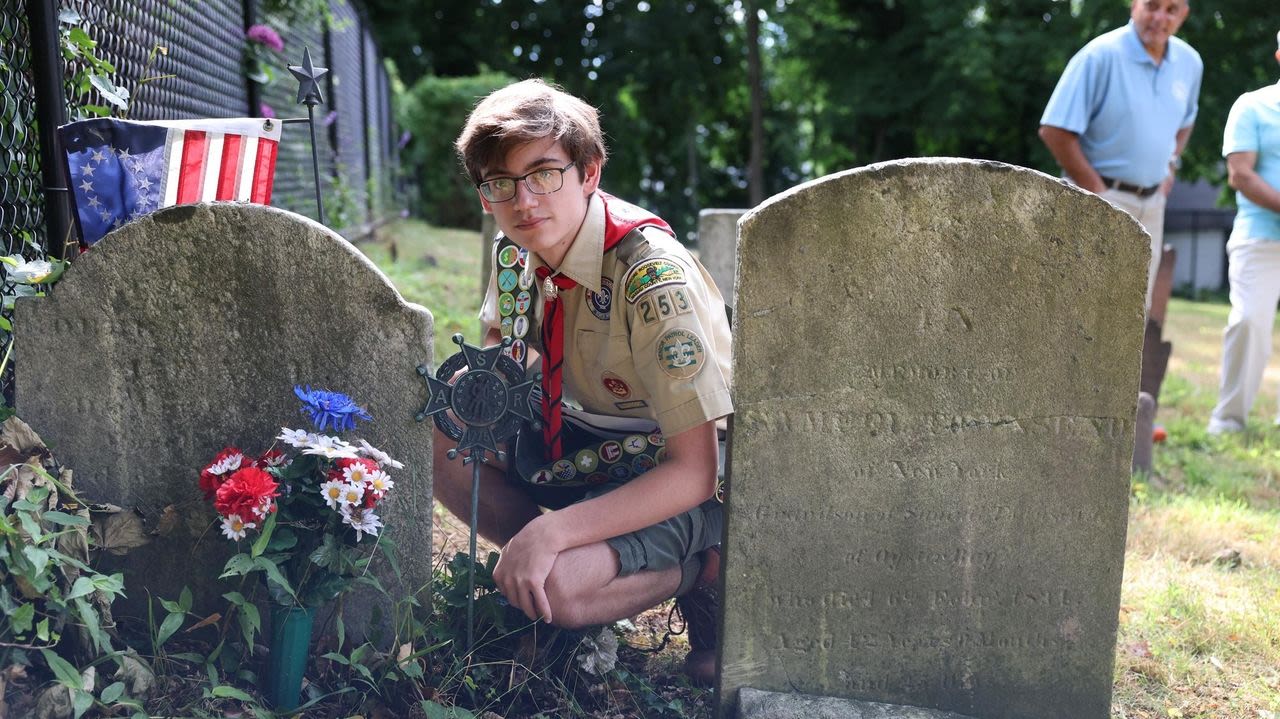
332	492
379	456
351	495
228	464
364	521
235	528
379	482
264	508
330	447
356	473
295	437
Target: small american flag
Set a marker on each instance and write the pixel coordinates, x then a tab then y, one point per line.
120	170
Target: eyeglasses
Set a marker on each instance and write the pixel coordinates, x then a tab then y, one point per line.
539	182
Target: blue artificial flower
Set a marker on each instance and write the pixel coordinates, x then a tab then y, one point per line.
329	409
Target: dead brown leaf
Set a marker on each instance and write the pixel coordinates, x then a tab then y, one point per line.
169	521
116	529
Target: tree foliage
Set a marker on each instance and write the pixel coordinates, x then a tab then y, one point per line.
845	82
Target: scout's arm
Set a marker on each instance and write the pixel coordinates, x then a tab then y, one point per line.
1065	146
685	479
1242	175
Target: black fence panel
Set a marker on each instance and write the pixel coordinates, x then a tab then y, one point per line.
184	59
22	228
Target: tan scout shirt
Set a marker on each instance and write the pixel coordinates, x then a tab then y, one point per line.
645	330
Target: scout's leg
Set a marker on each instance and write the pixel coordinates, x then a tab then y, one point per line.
504	509
584	587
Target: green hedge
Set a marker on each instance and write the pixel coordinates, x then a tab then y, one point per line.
433	110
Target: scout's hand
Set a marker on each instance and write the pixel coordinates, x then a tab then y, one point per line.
523	567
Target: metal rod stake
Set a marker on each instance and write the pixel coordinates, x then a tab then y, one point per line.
315	160
471	584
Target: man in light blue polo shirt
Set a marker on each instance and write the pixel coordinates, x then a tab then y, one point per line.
1123	111
1251	145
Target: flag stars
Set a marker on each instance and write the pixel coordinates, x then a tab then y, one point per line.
86	186
97	156
144	184
124	153
88	170
95	202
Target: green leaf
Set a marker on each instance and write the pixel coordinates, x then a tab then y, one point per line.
342	630
235	598
171	606
113	584
284	539
260	543
111	693
38	557
225	692
81	700
89	616
62	669
336	657
21	619
250	622
168	627
238	565
184	599
274	574
81	38
42	629
82	587
67	520
117	96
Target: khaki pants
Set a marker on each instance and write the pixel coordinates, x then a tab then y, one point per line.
1254	274
1149	212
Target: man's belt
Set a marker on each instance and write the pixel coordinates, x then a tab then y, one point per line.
1131	189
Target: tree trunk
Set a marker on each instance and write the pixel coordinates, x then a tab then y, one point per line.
755	163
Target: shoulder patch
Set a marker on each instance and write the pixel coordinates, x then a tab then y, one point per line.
650	274
635	246
680	353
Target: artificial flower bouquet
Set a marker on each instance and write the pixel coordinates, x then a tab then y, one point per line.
306	507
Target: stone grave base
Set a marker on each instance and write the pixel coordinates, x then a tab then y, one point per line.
757	704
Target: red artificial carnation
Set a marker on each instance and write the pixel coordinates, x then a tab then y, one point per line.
216	472
247	493
371	499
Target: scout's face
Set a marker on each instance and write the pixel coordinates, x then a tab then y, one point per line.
1158	20
543	223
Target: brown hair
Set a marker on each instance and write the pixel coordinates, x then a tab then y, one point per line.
524	112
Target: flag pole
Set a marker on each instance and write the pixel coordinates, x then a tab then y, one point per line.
309	94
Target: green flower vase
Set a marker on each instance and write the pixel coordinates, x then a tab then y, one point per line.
290	647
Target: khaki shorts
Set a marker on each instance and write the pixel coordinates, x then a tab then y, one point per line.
669	543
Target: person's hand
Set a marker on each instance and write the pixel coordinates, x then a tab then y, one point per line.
522	570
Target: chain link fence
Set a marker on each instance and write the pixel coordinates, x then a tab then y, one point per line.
181	60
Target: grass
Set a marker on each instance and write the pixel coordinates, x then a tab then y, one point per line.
1200	610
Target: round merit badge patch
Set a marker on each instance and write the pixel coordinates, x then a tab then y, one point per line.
635	443
587	461
616	385
507	280
523	300
610	451
521	326
563	470
506	304
517	351
680	354
526	279
599	302
507	256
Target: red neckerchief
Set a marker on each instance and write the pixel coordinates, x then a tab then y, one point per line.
620	218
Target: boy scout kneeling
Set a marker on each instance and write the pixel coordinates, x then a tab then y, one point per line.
634	346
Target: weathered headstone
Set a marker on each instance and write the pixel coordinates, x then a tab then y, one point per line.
718	247
185	332
935	368
757	704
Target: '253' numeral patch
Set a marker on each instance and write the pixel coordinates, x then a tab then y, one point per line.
662	304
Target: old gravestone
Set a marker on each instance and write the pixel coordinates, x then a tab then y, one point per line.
186	331
718	247
935	370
